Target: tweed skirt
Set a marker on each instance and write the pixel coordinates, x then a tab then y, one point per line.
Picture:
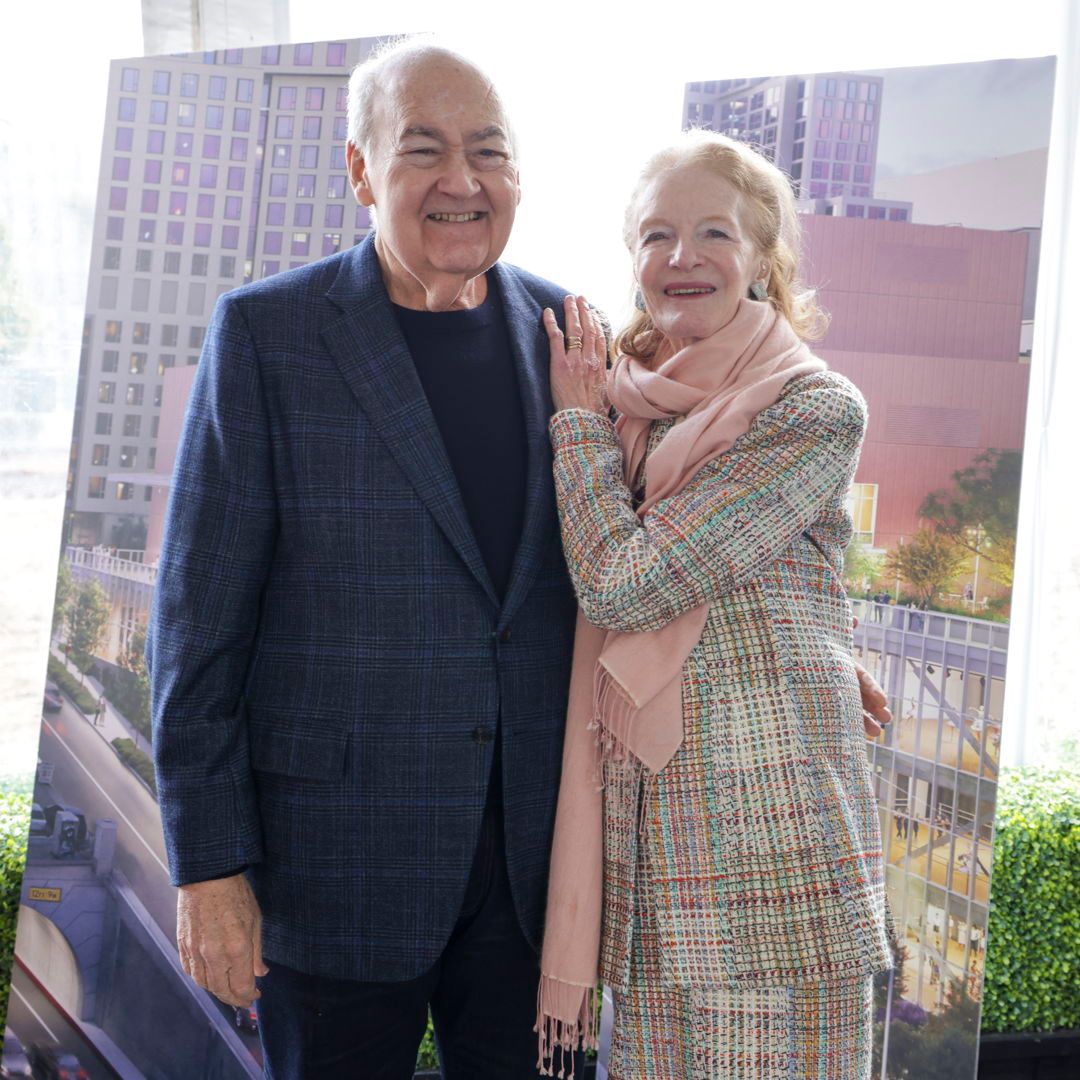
809	1031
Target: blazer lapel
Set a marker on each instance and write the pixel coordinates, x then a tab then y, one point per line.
371	354
529	345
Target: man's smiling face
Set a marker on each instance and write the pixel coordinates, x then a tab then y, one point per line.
441	175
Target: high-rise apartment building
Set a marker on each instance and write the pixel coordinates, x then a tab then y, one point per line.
821	129
217	168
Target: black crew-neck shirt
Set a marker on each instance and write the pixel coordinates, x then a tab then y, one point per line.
466	367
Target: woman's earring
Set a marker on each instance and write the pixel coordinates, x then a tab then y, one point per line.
759	291
639	300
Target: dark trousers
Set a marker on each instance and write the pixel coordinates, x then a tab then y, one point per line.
481	990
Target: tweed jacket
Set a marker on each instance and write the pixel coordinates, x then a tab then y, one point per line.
329	660
763	842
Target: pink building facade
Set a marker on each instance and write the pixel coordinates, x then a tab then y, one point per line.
926	322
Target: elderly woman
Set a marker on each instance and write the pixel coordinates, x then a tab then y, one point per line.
713	697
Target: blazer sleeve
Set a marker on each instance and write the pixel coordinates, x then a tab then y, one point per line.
738	514
218	544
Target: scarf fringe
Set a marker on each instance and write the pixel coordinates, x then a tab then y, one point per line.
555	1035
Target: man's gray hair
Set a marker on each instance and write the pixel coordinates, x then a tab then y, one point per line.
368	79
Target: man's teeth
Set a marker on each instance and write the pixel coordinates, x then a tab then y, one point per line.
687	292
474	216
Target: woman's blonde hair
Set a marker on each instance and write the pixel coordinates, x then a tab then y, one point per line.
774	230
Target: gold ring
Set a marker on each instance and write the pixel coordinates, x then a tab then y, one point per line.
573	343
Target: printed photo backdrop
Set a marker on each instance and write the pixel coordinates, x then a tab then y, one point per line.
921	195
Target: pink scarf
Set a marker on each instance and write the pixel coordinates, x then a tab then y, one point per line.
629	685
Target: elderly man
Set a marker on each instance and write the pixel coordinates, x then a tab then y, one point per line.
363	624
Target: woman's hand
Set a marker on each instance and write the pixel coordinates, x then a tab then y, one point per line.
578	368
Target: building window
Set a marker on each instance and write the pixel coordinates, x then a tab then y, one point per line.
155	142
199	265
230	237
335	54
211	146
337	157
279	184
121	168
235	178
275	213
270	266
872	92
132	425
165	361
876	213
103	423
110	360
241	119
227	268
272	243
215	118
177	203
157	395
128	456
862	505
189	85
301	243
137	364
203	230
113	329
331	243
334	216
174	232
302	214
95	488
100	455
195	336
125	137
311	127
270	54
148	202
283	127
855	210
896	214
309	157
824	127
302	54
124	491
341	100
140	333
216	88
204	206
797	151
238	148
862	152
106	393
335	187
185	115
305	186
129	80
117	198
234	56
245	88
111	260
282	156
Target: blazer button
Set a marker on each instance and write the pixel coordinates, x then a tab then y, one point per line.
504	634
481	735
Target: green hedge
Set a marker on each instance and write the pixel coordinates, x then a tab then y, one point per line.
1033	951
14	828
71	686
131	755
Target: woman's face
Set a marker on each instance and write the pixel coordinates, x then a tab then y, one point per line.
693	256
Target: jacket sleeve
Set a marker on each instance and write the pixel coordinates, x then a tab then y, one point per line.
738	514
218	545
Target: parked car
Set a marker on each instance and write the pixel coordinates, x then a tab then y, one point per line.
52	1063
50	811
39	824
14	1064
53	701
246	1018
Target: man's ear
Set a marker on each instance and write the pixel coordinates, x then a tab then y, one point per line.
358	175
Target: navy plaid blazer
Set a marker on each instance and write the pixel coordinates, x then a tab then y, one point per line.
328	657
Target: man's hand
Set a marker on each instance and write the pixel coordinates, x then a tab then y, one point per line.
218	933
876	713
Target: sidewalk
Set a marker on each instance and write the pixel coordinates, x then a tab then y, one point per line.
112	724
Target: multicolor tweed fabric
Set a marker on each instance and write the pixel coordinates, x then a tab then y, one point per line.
763	851
807	1031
